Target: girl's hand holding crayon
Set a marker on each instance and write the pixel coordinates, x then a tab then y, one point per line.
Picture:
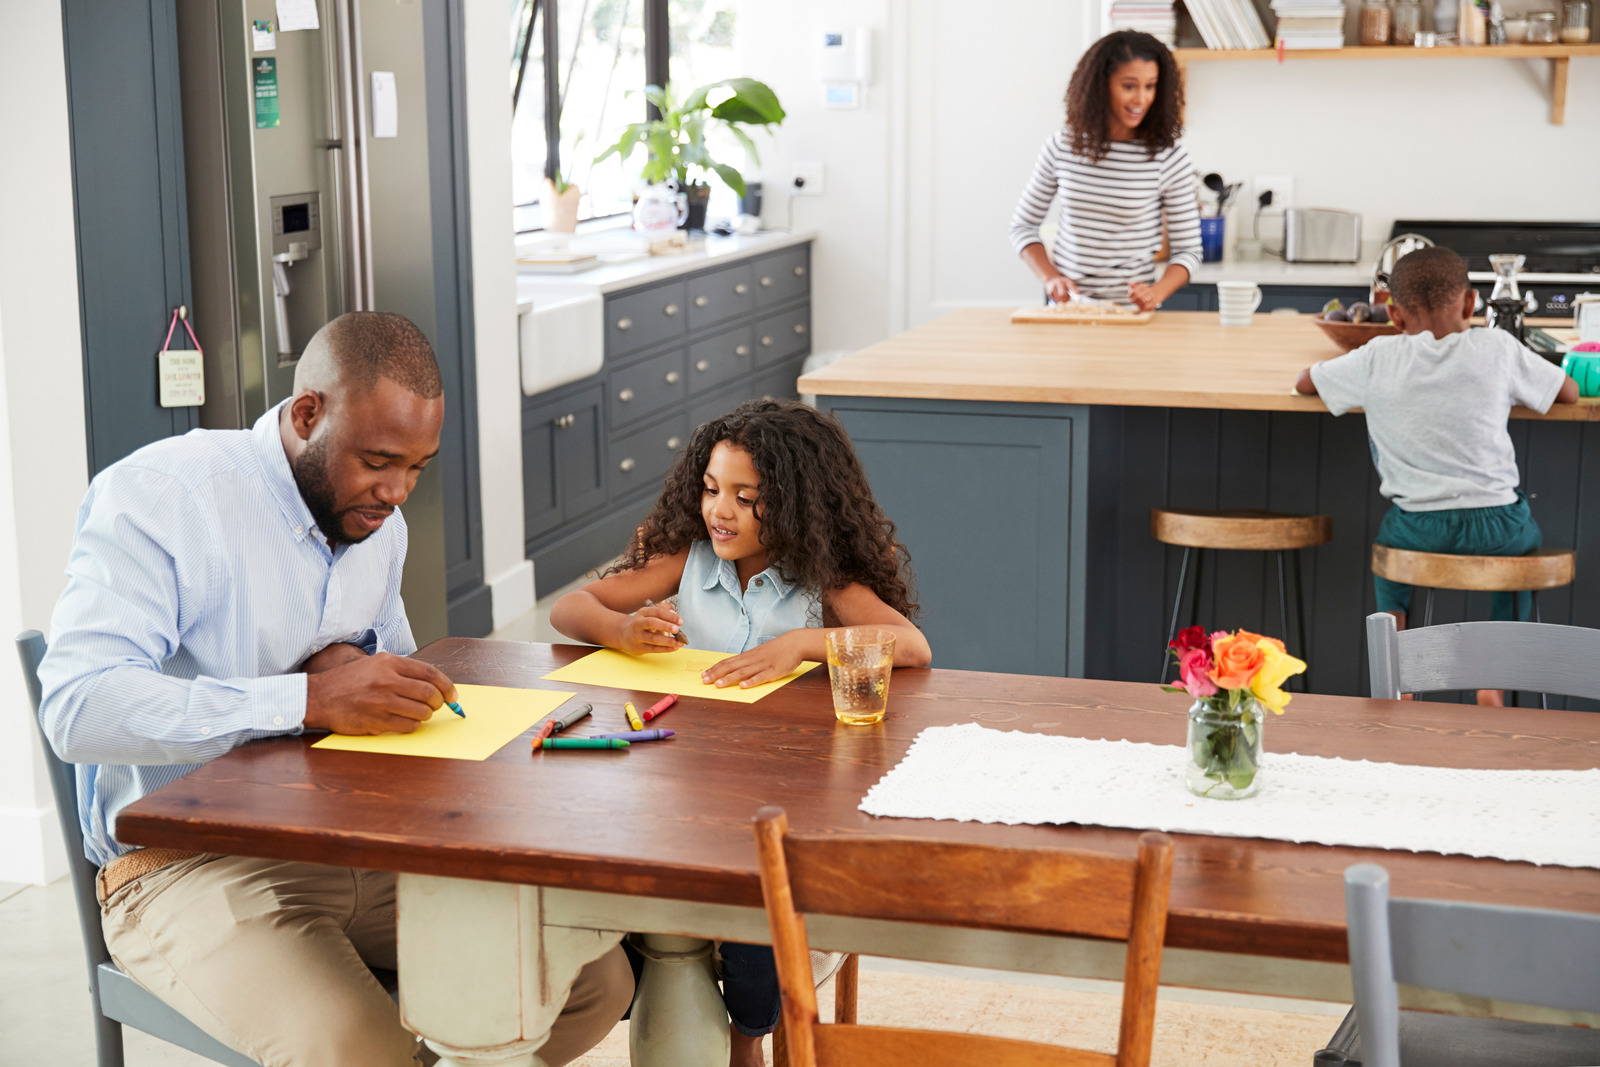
764	663
653	628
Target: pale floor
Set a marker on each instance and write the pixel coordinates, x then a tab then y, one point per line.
44	1003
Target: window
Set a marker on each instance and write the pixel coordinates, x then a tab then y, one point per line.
565	113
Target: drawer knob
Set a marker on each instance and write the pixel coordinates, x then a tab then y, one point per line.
625	396
766	342
700	301
626	465
702	365
741	289
565	421
741	350
624	324
799	327
799	272
766	282
670	310
673	377
674	443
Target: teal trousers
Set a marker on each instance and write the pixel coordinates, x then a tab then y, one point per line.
1508	530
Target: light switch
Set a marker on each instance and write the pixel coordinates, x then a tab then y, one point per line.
385	105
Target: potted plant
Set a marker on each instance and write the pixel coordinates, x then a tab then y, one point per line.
559	205
676	138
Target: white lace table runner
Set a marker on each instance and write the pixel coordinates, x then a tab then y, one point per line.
974	774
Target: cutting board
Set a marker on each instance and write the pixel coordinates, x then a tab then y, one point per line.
1071	318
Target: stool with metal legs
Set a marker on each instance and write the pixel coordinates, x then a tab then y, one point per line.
1240	530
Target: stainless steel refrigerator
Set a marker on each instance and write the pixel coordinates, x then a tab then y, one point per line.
306	159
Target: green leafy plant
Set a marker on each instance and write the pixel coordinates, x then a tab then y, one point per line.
676	140
562	180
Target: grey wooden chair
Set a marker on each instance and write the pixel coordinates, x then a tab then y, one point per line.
1538	657
118	1000
1523	955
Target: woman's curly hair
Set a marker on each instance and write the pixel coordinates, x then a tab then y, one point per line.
819	522
1088	97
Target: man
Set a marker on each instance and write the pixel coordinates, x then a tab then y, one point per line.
238	584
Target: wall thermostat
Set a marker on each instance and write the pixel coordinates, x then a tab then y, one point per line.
844	65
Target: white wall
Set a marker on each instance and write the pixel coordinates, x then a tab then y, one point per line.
43	463
494	301
921	181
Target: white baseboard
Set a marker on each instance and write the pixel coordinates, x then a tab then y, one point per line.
31	851
511	594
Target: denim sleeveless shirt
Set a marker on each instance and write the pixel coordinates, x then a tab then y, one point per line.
718	617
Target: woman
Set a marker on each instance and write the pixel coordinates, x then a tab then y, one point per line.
1118	166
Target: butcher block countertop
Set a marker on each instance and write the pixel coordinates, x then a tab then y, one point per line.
1181	359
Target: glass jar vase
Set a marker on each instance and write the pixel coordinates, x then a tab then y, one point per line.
1575	22
1374	22
1224	750
1407	22
1541	27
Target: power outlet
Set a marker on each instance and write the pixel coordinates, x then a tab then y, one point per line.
1281	186
807	179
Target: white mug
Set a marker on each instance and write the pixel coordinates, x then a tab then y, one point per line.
1237	302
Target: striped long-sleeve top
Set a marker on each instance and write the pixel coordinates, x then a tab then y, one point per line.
1111	213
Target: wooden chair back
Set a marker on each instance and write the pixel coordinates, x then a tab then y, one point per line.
1034	891
1538	657
1525	955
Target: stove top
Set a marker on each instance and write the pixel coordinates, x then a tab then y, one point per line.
1568	248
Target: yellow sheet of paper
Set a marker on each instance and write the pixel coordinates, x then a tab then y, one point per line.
495	715
663	672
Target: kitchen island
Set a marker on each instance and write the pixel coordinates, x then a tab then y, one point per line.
1020	463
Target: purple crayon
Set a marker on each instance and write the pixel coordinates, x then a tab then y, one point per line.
639	735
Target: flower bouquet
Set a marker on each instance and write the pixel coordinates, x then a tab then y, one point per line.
1232	677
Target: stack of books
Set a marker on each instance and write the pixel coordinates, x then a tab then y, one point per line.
1154	17
1228	23
1309	24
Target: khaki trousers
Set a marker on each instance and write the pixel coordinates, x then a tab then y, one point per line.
272	959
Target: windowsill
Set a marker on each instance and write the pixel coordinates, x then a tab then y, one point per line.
530	239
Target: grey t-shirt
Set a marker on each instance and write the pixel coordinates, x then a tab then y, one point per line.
1436	411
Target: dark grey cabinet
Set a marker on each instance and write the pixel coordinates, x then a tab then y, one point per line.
1202	296
677	353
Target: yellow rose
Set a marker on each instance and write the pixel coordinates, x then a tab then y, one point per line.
1277	667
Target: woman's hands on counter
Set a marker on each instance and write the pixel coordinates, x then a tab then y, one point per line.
1148	297
1059	289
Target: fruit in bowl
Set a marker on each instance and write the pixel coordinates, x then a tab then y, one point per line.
1354	326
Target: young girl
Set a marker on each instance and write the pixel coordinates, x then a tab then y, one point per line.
766	533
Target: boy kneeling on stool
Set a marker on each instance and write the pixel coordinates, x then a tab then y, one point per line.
1437	398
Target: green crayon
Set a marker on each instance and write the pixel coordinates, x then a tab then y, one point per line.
583	742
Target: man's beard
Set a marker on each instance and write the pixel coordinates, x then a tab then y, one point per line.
316	489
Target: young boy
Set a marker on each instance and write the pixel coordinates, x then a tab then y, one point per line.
1437	399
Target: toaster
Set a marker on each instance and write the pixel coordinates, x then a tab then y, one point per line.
1321	235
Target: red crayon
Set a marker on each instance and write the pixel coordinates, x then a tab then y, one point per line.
546	728
659	706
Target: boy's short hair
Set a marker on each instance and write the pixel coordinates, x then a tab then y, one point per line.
1428	278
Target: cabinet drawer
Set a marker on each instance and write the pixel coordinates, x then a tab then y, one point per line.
779	382
783	276
643	318
788	333
720	359
646	388
721	295
642	458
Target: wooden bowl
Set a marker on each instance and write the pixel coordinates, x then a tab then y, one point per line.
1349	335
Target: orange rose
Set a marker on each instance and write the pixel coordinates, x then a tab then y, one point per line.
1237	660
1247	635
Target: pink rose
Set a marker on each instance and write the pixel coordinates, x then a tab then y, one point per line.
1194	668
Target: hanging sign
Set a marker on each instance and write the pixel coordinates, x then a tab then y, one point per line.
266	91
181	371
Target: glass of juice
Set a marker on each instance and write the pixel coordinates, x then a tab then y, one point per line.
859	661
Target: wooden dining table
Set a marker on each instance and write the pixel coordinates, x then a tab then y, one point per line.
516	871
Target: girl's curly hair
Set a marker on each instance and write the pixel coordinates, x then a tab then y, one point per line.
1088	97
819	522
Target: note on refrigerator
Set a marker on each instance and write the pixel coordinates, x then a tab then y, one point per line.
385	105
297	15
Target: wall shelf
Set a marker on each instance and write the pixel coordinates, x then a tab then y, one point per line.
1559	55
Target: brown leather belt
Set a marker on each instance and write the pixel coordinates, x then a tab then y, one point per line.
130	866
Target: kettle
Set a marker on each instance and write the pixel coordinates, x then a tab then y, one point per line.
660	208
1388	256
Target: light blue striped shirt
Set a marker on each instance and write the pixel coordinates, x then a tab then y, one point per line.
720	617
198	582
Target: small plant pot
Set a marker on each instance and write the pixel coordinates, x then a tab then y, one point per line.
699	197
560	210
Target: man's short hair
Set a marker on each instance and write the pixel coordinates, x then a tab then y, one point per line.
368	345
1428	278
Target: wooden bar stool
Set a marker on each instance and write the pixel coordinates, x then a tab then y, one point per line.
1240	530
1548	568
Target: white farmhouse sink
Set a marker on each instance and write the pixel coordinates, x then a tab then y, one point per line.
560	334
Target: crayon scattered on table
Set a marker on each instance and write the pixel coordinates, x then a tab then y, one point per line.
659	706
583	742
640	735
633	715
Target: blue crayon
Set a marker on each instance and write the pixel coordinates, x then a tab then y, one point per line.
639	735
453	706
